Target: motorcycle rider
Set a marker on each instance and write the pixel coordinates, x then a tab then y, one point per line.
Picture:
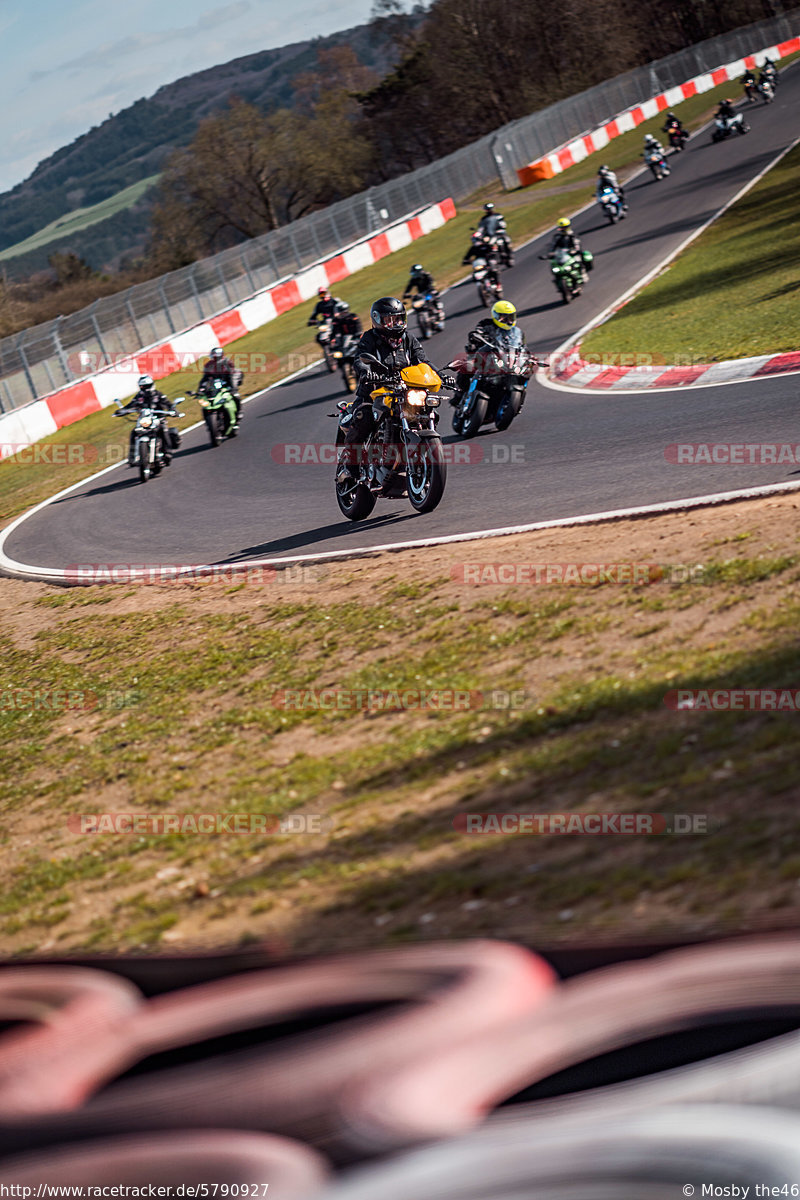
606	178
726	111
749	82
492	273
326	307
652	146
673	124
766	76
148	396
491	224
565	238
503	318
422	280
219	366
388	342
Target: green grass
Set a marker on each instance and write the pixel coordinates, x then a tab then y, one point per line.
732	294
81	218
205	731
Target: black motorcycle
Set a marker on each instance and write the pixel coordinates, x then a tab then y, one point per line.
344	353
677	138
430	314
500	373
483	276
150	436
402	456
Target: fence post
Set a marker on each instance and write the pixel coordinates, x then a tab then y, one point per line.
132	316
218	265
24	360
251	281
62	358
201	314
164	301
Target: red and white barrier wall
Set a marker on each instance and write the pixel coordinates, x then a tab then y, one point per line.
574	152
624	375
24	426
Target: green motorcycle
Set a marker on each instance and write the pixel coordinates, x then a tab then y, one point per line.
219	410
569	271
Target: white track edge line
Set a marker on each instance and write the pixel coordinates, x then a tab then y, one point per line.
50	575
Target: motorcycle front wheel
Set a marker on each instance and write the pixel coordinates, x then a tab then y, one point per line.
565	290
472	420
144	462
214	427
330	361
348	376
426	475
423	320
508	409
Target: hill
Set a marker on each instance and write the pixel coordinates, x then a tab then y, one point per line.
132	145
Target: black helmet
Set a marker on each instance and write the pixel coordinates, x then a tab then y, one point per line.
217	354
604	170
487	208
389	318
416	269
146	383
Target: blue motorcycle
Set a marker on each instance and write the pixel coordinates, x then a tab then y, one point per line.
611	205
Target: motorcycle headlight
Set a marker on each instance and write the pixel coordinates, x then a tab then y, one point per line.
146	422
416	396
432	401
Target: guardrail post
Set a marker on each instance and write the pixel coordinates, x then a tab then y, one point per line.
132	316
62	358
164	301
24	360
201	314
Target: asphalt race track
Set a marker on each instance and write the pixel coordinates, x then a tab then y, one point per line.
567	454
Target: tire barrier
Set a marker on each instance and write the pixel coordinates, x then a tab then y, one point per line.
653	1156
457	1071
422	998
66	1027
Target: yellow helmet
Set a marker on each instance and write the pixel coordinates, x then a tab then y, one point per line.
504	314
564	223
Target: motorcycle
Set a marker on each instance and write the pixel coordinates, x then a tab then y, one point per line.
657	163
725	126
678	138
751	91
325	343
148	447
403	455
500	373
766	90
219	410
430	314
488	291
344	355
568	271
611	205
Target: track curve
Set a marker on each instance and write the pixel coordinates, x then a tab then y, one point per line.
567	454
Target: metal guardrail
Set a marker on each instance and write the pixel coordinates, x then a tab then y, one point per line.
44	358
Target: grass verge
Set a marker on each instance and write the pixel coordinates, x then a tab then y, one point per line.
197	727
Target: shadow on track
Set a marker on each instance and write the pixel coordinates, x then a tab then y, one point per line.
342	529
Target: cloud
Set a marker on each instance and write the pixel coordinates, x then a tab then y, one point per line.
112	52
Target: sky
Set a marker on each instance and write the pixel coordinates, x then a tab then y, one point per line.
68	64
